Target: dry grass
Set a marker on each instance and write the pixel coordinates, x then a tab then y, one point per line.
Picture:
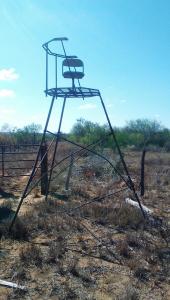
123	248
56	250
19	230
66	260
125	216
130	293
31	254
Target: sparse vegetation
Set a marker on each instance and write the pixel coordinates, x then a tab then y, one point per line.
130	293
18	232
31	254
136	133
101	250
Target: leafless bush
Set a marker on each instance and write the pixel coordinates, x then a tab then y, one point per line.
56	250
142	273
134	240
14	294
123	248
130	293
31	254
133	263
126	216
19	230
18	272
36	192
47	216
4	229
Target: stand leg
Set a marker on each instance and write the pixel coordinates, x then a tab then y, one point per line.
122	158
34	167
55	148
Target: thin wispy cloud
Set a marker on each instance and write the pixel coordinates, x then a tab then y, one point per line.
8	74
7	111
5	93
109	105
123	101
87	106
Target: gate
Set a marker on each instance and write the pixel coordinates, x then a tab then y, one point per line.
18	161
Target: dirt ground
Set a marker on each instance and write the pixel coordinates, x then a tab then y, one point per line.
88	243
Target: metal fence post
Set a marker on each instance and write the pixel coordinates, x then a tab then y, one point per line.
142	181
44	169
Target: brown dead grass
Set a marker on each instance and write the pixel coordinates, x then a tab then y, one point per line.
114	255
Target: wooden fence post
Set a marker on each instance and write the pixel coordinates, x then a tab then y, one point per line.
142	180
44	169
69	172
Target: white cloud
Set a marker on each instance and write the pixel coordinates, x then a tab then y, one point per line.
4	93
87	106
8	74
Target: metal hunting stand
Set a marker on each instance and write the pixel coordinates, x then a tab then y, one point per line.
72	68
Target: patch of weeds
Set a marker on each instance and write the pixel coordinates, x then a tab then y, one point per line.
133	263
128	216
15	294
70	294
72	267
124	217
142	274
31	254
133	240
47	218
81	273
164	257
130	293
36	192
19	230
96	211
164	254
4	229
18	272
123	249
80	191
56	250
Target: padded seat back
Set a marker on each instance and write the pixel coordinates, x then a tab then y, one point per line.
69	68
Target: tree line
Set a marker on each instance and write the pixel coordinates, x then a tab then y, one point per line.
30	134
137	133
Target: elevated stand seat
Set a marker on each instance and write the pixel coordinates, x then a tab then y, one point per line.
73	68
73	74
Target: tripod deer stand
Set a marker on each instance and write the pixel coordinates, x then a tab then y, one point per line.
72	68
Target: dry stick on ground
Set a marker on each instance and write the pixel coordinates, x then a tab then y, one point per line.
12	285
98	199
94	256
92	234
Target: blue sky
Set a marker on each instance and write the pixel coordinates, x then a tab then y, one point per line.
125	46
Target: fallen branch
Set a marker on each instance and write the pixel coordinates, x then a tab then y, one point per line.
135	204
12	285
